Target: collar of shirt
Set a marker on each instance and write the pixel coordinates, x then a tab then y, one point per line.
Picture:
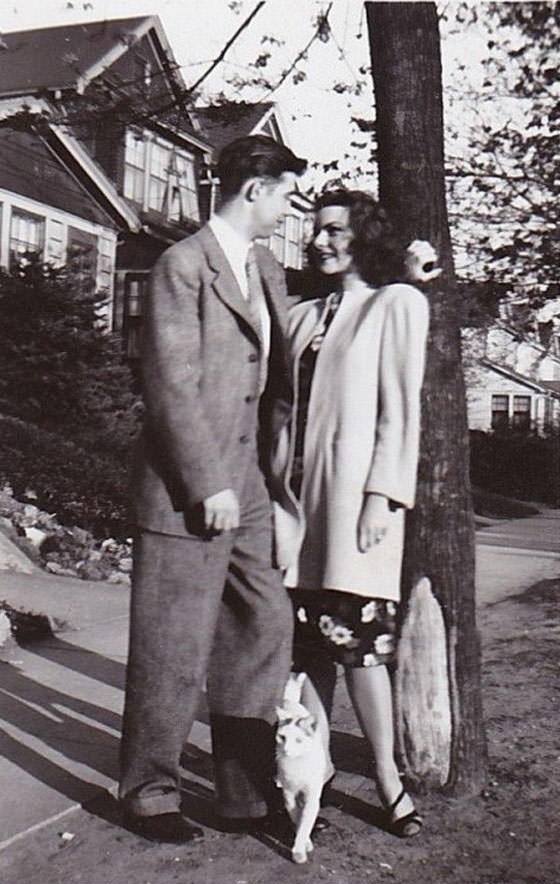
235	247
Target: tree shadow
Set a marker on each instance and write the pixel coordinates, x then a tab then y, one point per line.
79	659
75	728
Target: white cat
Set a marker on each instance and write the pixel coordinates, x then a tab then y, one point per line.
301	765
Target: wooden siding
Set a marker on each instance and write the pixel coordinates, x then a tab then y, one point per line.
28	167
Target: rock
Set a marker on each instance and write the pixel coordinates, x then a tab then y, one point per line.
67	572
118	577
53	567
51	544
30	511
82	536
35	536
90	571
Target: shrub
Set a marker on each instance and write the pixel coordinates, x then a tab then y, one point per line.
523	467
82	488
59	366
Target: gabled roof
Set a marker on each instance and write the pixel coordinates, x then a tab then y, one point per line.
532	384
76	159
222	123
45	60
63	57
553	386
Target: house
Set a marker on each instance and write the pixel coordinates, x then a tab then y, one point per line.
513	379
104	162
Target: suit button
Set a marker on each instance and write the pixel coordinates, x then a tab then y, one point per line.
250	398
244	439
253	357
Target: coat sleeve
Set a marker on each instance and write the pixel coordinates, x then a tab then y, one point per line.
171	370
401	369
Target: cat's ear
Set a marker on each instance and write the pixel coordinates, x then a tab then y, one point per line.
300	678
308	724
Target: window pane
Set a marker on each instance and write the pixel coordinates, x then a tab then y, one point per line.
184	196
159	177
135	167
521	403
134	184
135	150
500	412
522	412
27	234
82	258
157	195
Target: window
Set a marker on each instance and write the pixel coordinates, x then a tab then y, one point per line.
134	167
159	177
293	241
511	412
143	73
183	197
521	418
82	258
276	241
27	235
500	412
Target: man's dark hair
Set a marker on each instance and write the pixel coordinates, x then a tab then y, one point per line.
254	156
376	248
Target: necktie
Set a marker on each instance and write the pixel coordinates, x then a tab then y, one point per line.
257	304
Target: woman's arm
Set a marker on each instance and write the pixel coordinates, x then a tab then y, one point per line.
393	467
373	521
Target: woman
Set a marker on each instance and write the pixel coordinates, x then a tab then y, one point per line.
348	463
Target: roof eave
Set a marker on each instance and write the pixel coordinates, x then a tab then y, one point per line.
520	379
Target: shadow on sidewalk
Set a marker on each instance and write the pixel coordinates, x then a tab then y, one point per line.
79	730
79	659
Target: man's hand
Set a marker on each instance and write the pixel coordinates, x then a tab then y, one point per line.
373	521
221	511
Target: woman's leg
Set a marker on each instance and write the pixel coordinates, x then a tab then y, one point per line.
371	694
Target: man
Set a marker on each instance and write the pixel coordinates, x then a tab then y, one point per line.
205	599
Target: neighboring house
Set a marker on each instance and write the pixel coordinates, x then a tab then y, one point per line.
102	165
513	381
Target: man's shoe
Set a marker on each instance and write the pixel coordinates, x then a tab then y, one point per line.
172	828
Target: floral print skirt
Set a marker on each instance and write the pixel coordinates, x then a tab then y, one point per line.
354	630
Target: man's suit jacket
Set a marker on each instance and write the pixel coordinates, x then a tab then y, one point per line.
200	371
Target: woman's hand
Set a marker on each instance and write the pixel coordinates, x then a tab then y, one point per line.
420	262
373	521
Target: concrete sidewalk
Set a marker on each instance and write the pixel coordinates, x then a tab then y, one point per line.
62	697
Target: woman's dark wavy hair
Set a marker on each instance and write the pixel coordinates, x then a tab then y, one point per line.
376	249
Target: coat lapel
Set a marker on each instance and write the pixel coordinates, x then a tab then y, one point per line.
225	284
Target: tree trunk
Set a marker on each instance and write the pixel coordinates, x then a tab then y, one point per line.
405	52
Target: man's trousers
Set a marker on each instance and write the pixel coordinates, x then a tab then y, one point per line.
212	608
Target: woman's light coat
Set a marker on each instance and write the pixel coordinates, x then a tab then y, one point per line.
362	435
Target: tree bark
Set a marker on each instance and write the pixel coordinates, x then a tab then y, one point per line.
405	52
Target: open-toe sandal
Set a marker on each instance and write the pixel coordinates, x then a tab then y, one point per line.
404	826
